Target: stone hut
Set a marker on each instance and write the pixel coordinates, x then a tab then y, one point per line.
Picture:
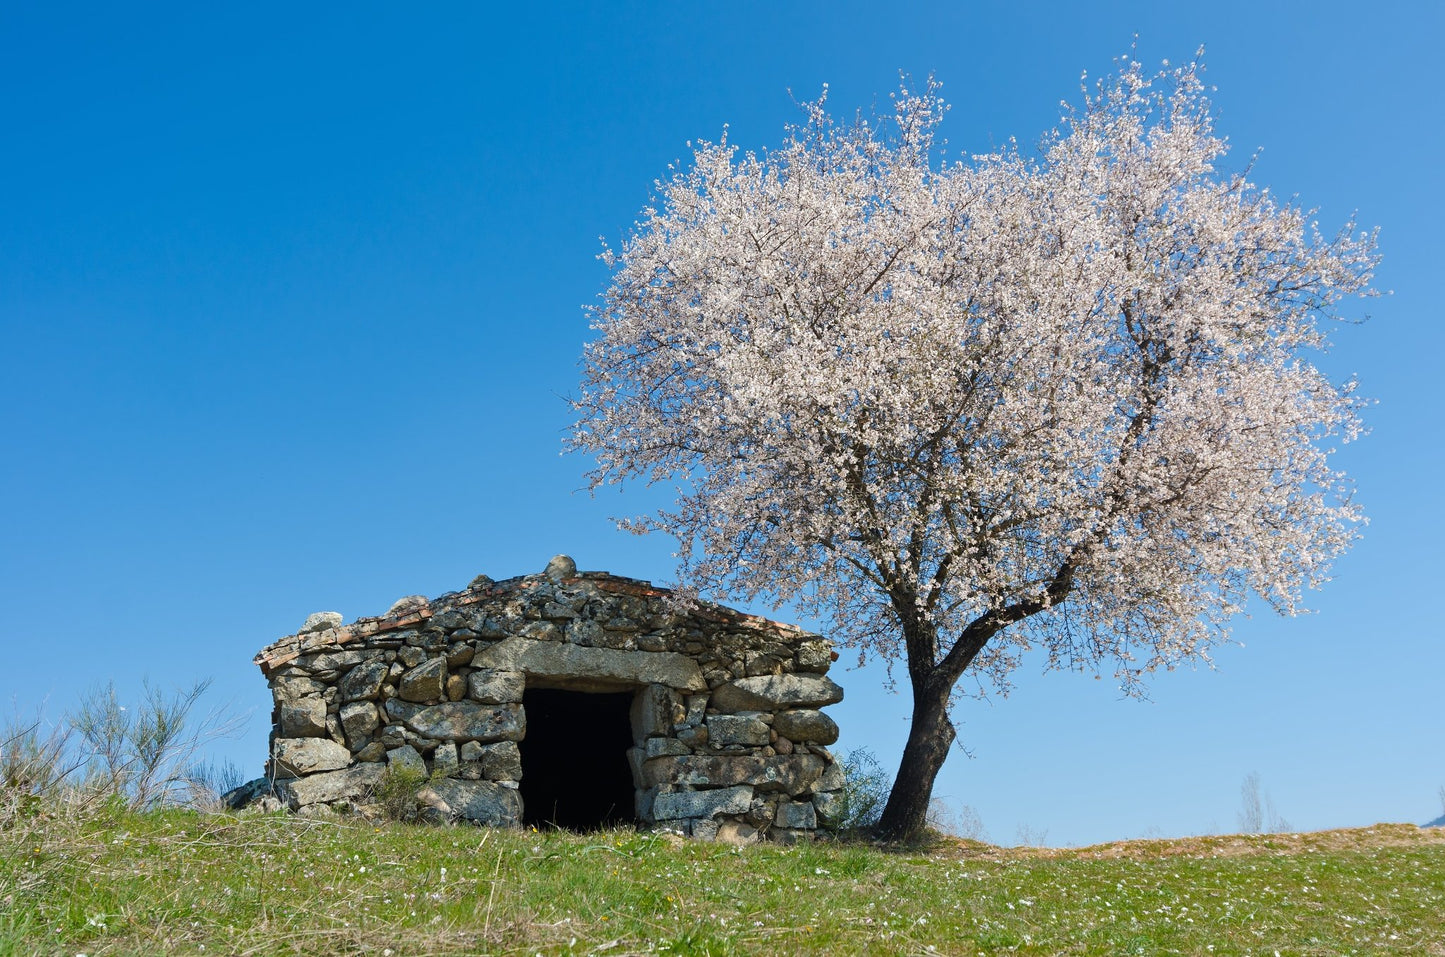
576	699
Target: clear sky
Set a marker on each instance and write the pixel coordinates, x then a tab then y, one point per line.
290	296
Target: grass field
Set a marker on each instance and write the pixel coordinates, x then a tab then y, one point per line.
113	881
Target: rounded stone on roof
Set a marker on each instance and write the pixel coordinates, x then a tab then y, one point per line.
560	567
321	621
403	605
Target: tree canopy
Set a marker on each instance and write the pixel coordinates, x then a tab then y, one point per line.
961	409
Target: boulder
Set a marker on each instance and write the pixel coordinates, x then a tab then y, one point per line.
830	806
655	710
302	756
481	802
806	725
775	692
321	621
302	718
583	631
407	605
450	620
735	832
398	710
560	568
247	794
444	759
435	810
469	721
456	687
499	762
557	611
333	660
406	760
349	784
291	690
425	682
796	814
542	631
794	774
363	681
736	729
693	737
705	804
490	686
815	656
658	747
375	751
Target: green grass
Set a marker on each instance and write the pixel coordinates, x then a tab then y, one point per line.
112	881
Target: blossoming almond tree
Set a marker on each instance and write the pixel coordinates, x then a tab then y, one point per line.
964	410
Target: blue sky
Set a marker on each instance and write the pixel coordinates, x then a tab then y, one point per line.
290	298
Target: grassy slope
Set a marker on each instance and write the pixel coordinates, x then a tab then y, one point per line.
119	882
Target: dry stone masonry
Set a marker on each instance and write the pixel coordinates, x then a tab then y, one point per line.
575	698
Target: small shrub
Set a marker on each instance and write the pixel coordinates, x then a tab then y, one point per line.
33	759
1257	814
865	791
143	755
206	781
1030	836
1251	811
964	822
970	824
395	796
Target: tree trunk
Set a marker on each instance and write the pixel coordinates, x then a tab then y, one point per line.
929	737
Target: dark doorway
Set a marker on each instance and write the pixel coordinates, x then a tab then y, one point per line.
575	773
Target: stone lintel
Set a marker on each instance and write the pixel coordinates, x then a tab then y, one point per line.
600	666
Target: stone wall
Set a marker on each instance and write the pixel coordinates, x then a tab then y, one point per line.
727	739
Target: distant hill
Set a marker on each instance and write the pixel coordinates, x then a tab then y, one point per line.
1438	822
